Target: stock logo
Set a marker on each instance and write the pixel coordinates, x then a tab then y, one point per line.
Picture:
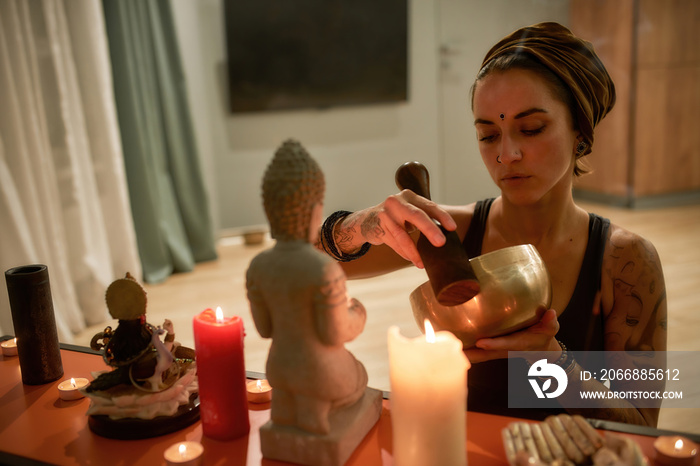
542	369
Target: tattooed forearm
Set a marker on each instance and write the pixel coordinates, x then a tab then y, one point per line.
372	226
345	235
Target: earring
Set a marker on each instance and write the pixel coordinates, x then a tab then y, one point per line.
581	147
498	159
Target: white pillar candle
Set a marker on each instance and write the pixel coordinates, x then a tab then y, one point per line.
428	398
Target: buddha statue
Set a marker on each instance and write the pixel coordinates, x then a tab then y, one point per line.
298	298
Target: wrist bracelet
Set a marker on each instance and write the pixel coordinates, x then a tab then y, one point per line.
566	361
328	239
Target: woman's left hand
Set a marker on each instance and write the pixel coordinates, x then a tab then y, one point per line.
538	337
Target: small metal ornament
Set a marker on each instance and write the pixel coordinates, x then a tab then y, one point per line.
581	147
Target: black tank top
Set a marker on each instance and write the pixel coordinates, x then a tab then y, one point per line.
581	323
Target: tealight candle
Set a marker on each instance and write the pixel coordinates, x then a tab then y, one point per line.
9	347
259	391
675	451
184	454
69	390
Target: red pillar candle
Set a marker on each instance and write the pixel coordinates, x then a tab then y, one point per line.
218	345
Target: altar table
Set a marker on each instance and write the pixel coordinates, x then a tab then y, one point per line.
36	427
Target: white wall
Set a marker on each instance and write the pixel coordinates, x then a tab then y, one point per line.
468	29
359	148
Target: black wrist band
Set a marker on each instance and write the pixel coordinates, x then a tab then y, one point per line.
328	241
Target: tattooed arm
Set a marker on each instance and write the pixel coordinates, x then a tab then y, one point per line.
635	302
634	312
391	227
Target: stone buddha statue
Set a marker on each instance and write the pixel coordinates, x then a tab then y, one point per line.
299	299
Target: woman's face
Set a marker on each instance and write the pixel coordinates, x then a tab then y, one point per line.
518	118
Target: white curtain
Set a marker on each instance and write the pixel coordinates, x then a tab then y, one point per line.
63	193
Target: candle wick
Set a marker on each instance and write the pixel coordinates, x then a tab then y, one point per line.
72	383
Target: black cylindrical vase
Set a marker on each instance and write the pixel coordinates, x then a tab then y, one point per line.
35	324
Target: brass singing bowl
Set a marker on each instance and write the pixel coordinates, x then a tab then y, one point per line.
515	292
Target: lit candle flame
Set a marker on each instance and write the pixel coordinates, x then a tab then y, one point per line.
72	382
182	449
258	385
15	340
679	444
219	315
429	332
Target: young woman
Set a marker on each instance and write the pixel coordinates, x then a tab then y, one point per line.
536	100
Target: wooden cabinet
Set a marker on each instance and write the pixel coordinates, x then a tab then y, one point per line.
647	150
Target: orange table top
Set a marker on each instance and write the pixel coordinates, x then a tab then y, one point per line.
35	423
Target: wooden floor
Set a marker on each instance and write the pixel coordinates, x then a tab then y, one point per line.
674	231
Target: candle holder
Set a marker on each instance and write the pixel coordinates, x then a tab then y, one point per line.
675	451
184	454
33	319
70	390
259	391
9	347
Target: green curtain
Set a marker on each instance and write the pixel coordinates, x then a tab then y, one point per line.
166	188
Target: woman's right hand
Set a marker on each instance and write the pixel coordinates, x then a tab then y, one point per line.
392	222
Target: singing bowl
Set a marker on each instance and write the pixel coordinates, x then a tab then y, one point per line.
515	291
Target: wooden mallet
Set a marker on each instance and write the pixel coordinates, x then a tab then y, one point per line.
448	268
